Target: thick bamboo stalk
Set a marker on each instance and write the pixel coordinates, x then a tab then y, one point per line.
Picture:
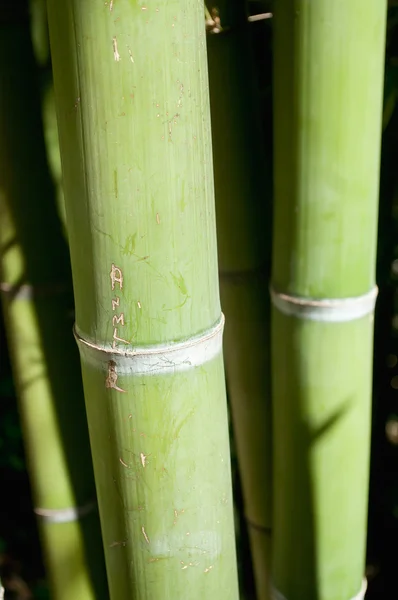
244	249
133	113
36	292
328	74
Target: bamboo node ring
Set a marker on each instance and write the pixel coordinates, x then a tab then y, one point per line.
332	310
276	594
156	358
64	515
27	291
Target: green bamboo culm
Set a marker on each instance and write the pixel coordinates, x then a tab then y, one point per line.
328	89
243	234
36	292
133	113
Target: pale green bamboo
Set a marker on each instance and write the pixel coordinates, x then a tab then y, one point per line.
35	286
328	91
241	178
133	114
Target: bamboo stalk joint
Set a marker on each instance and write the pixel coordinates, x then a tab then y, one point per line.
64	515
157	358
332	310
276	594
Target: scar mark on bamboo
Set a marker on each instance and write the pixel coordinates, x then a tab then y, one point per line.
139	304
121	543
115	184
208	569
123	463
145	535
130	54
157	558
170	123
116	276
115	302
177	513
157	219
111	380
185	566
116	54
143	459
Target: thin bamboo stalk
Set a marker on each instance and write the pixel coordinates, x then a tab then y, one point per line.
133	113
328	91
36	296
243	251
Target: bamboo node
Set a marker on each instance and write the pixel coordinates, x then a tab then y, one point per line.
152	359
64	515
26	291
277	595
329	310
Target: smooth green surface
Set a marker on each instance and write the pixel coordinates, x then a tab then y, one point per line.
44	359
243	236
133	113
321	465
328	90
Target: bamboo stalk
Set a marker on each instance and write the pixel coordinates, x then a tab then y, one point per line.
244	250
132	103
328	74
36	296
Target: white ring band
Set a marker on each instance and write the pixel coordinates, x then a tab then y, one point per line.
276	594
158	358
325	310
64	515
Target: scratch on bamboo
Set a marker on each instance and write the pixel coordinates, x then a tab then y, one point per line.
144	534
111	380
208	569
115	50
114	544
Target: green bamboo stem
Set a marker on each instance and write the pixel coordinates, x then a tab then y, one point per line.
243	251
133	114
39	31
328	91
36	296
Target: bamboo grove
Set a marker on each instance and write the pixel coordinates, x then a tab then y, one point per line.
194	215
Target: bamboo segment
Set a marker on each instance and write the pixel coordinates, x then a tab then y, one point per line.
35	286
243	250
132	102
328	74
